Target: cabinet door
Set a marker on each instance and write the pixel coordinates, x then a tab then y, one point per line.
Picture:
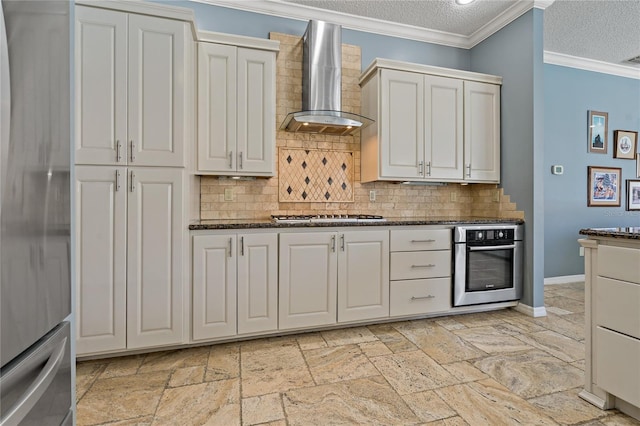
257	283
156	91
216	107
402	132
482	131
214	286
363	275
256	112
154	259
308	279
101	275
444	148
100	86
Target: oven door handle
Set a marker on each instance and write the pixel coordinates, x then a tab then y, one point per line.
487	248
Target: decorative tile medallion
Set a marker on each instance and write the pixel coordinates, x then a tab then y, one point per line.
314	176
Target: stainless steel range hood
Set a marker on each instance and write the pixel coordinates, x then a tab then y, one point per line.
322	85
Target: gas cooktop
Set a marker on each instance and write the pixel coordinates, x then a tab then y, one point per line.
327	218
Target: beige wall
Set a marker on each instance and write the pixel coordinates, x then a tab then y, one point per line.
258	199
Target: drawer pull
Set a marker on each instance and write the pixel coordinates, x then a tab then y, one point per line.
423	297
430	265
423	241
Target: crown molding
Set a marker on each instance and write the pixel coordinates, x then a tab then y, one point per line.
505	18
238	40
283	9
143	8
591	65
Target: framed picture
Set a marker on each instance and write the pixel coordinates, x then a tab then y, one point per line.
603	184
625	143
598	129
633	194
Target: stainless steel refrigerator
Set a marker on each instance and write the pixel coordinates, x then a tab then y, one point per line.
35	301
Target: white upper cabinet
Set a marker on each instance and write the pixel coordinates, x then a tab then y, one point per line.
236	110
130	88
432	124
402	109
482	131
444	153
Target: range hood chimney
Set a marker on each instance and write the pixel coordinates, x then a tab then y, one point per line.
322	86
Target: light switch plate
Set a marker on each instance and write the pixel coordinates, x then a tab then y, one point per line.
557	170
228	194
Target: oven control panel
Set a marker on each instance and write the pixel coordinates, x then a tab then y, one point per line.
490	235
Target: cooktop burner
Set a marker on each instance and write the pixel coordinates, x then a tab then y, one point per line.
327	218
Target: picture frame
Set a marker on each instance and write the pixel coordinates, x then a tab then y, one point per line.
603	186
625	144
598	131
633	194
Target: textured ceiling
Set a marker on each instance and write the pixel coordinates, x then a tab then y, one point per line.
603	30
607	31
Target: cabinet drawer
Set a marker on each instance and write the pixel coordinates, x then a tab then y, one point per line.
420	296
619	263
420	264
420	239
617	366
618	306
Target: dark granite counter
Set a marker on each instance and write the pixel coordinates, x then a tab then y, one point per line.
391	221
630	233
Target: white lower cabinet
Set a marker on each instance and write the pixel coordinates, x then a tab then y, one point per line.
214	287
129	258
234	284
330	277
420	271
363	275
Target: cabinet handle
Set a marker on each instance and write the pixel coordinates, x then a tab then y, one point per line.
422	297
430	265
118	151
333	243
423	241
342	242
231	159
132	183
469	170
117	180
241	246
429	168
133	151
240	161
230	247
421	168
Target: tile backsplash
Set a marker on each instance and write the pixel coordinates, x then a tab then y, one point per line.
314	175
260	198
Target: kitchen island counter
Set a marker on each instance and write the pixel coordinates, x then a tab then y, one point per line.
629	233
612	316
215	224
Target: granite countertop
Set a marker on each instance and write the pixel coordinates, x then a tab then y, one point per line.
391	221
629	233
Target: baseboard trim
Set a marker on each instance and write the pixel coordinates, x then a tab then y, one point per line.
566	279
540	311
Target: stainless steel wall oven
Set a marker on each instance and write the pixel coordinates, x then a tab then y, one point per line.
487	264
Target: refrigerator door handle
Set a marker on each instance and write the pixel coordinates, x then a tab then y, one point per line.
33	393
5	94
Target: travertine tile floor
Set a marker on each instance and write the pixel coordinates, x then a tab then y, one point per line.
497	368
